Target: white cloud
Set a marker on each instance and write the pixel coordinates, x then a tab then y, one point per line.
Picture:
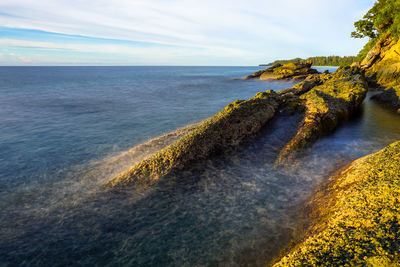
20	58
25	59
264	29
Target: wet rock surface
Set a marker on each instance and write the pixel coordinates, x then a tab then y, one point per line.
354	218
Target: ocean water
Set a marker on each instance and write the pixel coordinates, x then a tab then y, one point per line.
64	131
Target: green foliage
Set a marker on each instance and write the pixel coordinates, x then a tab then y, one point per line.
364	27
320	61
383	16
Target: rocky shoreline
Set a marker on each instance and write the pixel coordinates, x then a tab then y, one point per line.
290	71
325	100
353	219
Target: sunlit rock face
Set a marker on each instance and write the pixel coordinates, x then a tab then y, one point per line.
295	71
326	106
382	65
355	217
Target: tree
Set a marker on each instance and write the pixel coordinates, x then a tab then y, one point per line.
364	28
383	16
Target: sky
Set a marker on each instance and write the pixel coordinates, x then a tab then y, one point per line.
175	32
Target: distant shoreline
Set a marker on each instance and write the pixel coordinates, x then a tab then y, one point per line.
263	65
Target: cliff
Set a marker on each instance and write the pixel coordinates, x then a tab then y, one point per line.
382	66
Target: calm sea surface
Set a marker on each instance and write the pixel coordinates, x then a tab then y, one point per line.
64	132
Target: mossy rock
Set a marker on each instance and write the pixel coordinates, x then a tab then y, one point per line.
382	66
309	82
228	128
386	67
354	219
326	105
294	71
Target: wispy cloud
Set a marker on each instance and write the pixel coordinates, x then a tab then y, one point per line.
249	32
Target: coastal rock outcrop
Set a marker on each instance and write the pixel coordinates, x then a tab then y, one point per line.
228	128
310	82
382	65
326	105
326	99
294	71
354	219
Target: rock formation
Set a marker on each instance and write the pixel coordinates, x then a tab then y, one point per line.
354	219
382	65
294	71
326	99
226	129
326	105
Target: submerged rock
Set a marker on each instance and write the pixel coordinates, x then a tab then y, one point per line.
226	129
354	220
326	105
294	71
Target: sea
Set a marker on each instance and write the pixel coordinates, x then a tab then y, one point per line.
66	131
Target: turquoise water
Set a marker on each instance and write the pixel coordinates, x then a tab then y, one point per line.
65	130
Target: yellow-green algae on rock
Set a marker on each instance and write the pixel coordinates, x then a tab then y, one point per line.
228	128
326	105
382	65
355	217
300	88
282	72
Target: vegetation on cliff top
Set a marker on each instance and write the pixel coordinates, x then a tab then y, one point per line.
381	55
319	61
383	17
355	218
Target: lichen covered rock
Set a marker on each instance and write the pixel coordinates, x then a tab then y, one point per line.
309	82
379	51
382	65
354	220
226	129
293	71
326	105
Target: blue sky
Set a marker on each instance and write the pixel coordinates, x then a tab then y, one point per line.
175	32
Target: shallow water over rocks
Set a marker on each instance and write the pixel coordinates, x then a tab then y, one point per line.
234	209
